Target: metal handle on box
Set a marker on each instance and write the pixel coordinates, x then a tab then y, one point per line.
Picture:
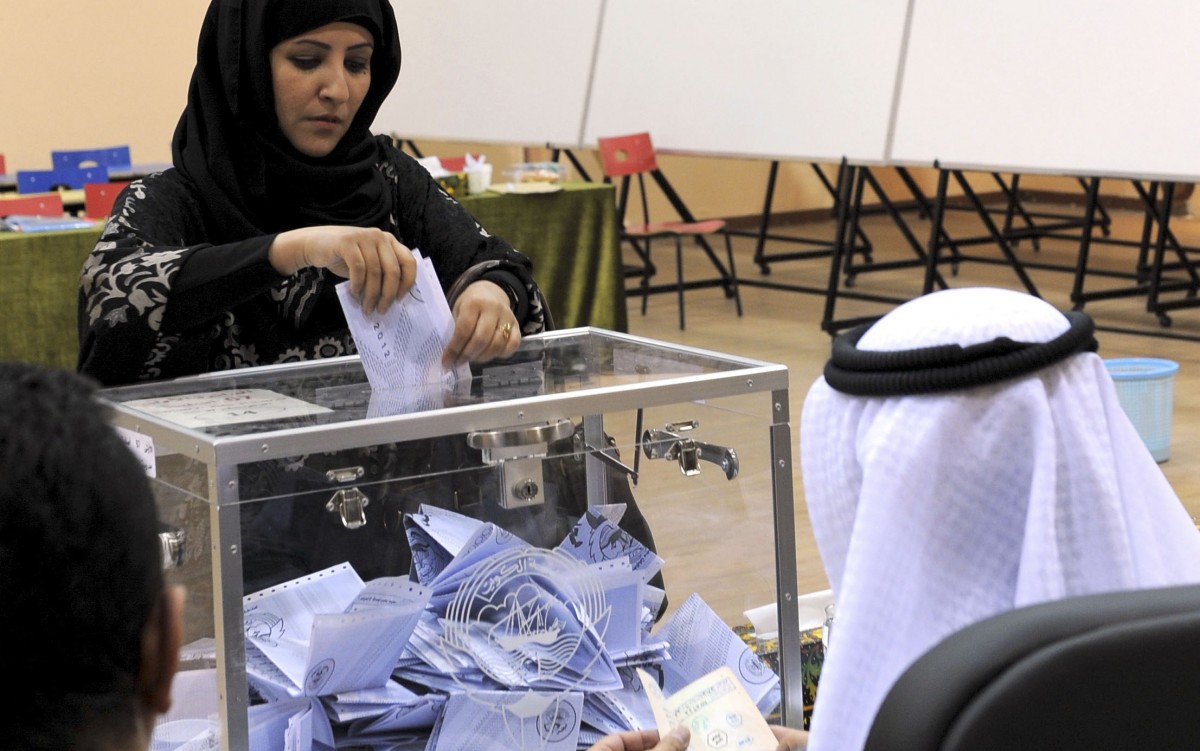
522	435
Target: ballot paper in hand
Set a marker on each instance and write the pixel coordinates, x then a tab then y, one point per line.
328	632
401	349
715	708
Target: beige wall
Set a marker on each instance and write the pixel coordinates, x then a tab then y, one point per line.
90	73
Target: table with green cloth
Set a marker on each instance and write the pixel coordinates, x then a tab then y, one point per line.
570	235
39	283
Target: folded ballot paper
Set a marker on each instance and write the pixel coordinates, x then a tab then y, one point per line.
448	548
511	615
328	632
291	724
492	643
701	642
391	710
508	720
401	350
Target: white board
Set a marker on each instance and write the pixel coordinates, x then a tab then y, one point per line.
1083	87
786	79
515	71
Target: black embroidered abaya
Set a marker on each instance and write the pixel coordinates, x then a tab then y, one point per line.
180	282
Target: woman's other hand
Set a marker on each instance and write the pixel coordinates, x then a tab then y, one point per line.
484	325
644	740
380	269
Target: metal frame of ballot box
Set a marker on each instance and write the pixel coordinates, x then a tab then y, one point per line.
621	373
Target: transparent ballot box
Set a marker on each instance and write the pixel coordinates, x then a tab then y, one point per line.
619	474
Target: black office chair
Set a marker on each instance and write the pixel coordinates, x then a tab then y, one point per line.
1111	671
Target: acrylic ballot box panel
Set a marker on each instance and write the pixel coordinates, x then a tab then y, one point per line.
269	476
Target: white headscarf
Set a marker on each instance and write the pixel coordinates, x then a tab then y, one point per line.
933	512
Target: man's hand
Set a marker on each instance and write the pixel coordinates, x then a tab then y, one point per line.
644	740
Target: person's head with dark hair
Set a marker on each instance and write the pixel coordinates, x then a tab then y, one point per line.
87	621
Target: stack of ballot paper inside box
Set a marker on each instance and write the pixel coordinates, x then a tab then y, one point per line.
491	644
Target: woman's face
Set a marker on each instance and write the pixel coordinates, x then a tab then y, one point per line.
320	79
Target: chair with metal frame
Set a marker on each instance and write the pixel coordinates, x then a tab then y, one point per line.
633	155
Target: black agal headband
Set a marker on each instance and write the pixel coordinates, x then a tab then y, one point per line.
948	367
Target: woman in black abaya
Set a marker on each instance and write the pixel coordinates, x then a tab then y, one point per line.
278	192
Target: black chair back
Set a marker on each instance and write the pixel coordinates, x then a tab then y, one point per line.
1111	671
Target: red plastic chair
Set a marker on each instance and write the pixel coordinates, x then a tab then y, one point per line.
98	198
630	156
36	204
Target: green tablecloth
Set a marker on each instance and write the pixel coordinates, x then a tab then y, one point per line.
571	237
39	283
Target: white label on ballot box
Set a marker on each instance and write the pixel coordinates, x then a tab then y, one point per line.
210	408
142	447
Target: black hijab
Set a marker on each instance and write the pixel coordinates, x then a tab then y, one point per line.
228	142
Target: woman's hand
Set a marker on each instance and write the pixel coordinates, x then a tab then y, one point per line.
380	269
644	740
484	325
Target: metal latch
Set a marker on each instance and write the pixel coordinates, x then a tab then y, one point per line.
348	503
518	452
669	444
171	541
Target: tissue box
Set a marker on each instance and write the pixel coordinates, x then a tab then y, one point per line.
812	657
534	172
454	183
